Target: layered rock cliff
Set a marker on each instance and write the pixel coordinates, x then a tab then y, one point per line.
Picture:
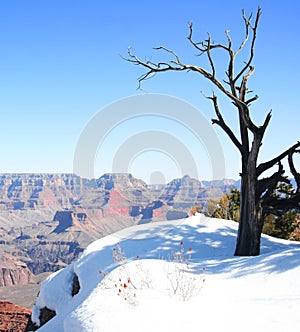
13	271
46	220
19	191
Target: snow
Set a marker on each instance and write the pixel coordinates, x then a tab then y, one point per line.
177	275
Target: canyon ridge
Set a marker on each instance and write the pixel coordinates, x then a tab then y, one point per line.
47	220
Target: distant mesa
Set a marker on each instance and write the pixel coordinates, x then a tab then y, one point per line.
67	219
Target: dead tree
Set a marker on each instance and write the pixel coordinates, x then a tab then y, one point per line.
255	189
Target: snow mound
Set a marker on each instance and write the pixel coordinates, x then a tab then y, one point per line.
171	275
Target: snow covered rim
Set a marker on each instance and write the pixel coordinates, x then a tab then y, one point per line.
158	228
159	106
267	284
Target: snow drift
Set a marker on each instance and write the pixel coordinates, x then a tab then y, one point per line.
175	275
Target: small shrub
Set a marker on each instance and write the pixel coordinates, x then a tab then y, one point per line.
195	209
184	282
124	286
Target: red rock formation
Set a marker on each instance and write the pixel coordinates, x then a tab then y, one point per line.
117	205
158	213
13	317
116	199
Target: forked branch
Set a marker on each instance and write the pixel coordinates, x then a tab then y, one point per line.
207	47
254	35
265	187
174	64
269	164
220	121
293	170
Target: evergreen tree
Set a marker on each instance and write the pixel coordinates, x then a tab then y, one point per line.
234	204
227	207
280	222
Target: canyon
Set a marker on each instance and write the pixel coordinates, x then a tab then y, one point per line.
47	220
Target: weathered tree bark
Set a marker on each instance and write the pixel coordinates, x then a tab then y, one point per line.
248	241
256	191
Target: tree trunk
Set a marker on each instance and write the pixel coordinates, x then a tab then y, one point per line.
248	240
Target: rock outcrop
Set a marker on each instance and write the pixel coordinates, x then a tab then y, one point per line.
186	192
13	318
13	271
20	191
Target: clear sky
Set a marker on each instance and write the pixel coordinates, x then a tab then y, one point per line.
60	65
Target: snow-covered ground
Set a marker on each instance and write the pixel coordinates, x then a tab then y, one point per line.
176	276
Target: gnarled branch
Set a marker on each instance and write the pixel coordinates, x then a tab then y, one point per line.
266	186
220	121
269	164
293	169
254	31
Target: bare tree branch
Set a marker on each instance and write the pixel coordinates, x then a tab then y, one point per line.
220	121
247	24
155	67
254	31
207	46
267	165
280	206
293	169
267	185
202	45
266	123
209	57
243	88
276	204
249	101
177	61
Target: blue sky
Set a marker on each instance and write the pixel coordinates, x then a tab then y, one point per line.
60	64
